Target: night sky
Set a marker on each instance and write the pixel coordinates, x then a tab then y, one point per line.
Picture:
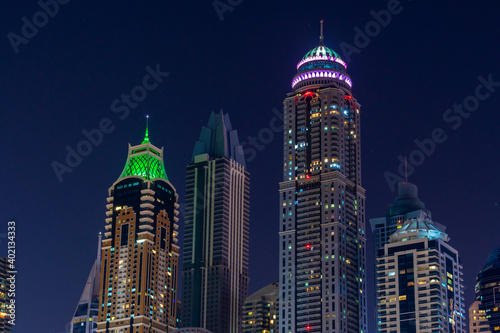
64	79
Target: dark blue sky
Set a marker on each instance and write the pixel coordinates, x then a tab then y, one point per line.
64	79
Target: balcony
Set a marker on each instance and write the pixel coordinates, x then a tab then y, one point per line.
147	212
147	198
146	227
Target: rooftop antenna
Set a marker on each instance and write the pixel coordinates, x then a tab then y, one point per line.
321	34
99	245
146	138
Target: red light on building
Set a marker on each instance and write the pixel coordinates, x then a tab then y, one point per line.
308	94
308	246
308	328
308	176
348	97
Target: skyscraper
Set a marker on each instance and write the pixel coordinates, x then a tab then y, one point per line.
85	316
322	220
477	319
405	206
488	289
5	325
215	266
261	310
419	281
139	255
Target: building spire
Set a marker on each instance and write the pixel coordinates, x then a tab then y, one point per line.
99	248
321	34
146	138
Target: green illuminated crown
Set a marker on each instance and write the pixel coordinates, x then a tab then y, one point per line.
145	160
321	51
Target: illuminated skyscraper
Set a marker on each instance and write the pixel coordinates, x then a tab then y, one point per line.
322	220
488	290
477	319
405	206
85	316
139	255
5	318
261	311
215	266
419	281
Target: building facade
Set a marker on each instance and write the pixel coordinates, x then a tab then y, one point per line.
406	206
261	311
488	289
139	254
419	281
86	314
5	325
322	215
215	265
191	330
477	319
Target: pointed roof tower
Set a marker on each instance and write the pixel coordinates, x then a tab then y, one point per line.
218	139
145	160
88	304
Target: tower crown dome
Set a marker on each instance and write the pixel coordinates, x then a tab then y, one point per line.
321	66
494	256
416	228
493	261
321	52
